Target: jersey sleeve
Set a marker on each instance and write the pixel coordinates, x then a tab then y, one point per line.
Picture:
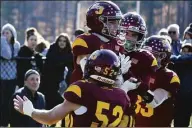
174	84
153	65
80	47
74	93
85	44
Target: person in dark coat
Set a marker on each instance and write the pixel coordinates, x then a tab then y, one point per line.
183	67
28	58
58	58
32	81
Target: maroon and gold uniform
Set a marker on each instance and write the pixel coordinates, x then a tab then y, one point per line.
88	43
143	65
147	116
105	105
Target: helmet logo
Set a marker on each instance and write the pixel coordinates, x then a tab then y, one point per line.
99	8
98	69
143	28
164	43
93	57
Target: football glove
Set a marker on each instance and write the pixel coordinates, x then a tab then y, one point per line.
130	84
125	63
27	107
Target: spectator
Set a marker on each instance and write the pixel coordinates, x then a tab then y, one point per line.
187	47
182	66
43	47
173	31
163	32
188	32
59	56
78	32
26	55
9	50
32	81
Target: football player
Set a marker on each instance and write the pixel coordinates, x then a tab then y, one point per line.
164	84
143	63
103	19
94	101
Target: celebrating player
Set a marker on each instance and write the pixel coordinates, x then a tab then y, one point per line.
103	19
164	84
143	62
94	101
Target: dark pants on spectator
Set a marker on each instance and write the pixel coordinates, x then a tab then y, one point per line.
183	109
7	88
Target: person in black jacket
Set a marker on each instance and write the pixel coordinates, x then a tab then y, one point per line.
182	65
32	81
28	58
58	58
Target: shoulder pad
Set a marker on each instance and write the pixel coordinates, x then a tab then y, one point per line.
175	78
79	42
74	89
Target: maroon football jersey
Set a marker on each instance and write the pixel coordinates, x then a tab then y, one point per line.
161	116
105	106
86	44
113	46
143	65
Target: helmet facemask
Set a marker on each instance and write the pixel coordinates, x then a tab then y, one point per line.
132	39
160	56
110	25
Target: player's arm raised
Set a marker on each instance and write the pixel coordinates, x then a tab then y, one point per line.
49	117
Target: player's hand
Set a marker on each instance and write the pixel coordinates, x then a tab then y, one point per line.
23	106
130	84
125	63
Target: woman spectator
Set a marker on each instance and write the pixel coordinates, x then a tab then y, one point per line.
9	49
188	32
58	57
28	58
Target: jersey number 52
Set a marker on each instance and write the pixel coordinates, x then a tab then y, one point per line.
117	111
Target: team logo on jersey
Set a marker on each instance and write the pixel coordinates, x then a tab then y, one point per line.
134	61
152	81
117	48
